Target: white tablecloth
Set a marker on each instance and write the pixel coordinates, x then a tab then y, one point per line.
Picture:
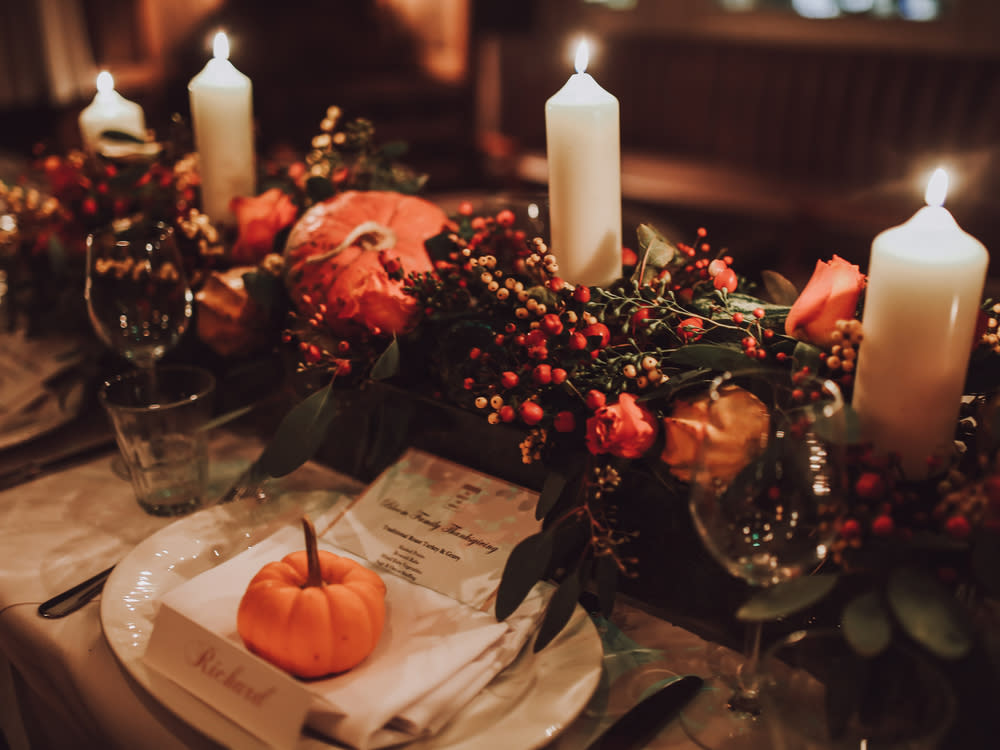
62	687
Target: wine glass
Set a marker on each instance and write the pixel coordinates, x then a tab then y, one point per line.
137	293
765	489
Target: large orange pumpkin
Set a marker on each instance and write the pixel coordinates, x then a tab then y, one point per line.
312	613
338	252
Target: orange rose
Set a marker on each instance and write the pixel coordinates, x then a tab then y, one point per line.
228	321
738	418
624	429
260	219
831	295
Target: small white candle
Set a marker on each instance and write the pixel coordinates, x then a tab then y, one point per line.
222	116
109	111
585	197
925	285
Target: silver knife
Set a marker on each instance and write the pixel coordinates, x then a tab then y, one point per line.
641	723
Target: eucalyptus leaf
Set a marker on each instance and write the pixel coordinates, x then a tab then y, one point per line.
786	598
709	356
525	566
387	364
300	433
780	290
867	625
561	607
552	489
928	613
319	189
119	136
806	355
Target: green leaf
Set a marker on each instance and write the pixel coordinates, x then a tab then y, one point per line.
806	355
561	607
928	613
786	598
867	625
779	289
607	583
319	189
393	150
300	433
552	489
119	136
523	569
261	287
714	357
387	364
985	560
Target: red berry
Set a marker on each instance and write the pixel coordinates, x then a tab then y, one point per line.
551	324
531	412
542	374
850	529
507	413
737	317
726	280
582	294
577	341
565	422
505	218
534	337
958	527
883	526
640	316
595	400
758	312
870	486
465	208
598	329
468	383
556	284
690	329
509	379
475	352
559	375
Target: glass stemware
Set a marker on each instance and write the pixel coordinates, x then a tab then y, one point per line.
765	490
137	293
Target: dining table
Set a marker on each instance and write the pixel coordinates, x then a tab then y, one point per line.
64	683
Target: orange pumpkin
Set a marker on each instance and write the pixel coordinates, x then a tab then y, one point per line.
342	256
313	613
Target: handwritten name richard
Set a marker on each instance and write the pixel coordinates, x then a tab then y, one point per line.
207	661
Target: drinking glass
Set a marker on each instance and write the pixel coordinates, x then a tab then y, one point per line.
766	487
137	293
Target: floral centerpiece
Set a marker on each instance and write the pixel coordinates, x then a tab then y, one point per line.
367	281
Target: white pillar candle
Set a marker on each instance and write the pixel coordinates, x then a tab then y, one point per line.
110	111
925	285
584	162
222	116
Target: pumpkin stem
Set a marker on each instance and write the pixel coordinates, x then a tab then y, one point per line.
382	238
314	576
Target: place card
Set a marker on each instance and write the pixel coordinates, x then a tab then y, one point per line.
438	524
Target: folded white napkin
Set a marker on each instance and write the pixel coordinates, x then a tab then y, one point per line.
435	653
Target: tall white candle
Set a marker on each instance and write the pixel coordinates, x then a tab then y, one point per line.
925	284
110	111
585	197
222	115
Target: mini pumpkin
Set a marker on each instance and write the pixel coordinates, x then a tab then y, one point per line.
312	613
346	259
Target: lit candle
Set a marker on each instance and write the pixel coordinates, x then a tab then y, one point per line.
925	285
110	111
585	196
222	115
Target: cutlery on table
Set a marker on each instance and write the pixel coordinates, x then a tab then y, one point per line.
641	723
73	598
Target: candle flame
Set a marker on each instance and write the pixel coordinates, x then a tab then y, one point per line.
220	46
105	82
582	57
937	188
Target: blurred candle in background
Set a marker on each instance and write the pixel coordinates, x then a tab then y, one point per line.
110	111
925	285
222	116
584	161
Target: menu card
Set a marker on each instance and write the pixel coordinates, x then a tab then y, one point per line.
438	524
434	527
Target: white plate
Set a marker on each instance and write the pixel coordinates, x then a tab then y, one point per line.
525	707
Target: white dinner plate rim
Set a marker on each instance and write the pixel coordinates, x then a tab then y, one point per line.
567	671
